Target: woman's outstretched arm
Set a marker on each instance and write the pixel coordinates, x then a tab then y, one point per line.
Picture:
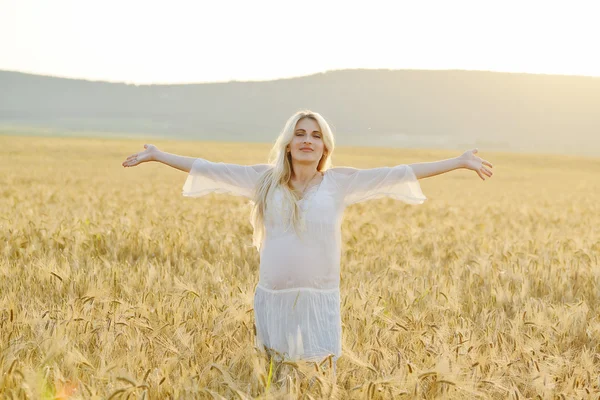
152	153
205	176
468	160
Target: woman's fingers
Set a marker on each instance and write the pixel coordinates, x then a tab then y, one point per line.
128	162
480	174
131	161
486	171
477	163
135	158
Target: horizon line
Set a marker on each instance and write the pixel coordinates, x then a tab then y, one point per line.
296	77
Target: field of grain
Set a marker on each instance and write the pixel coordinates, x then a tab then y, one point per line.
113	285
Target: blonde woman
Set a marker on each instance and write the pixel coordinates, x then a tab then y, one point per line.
298	204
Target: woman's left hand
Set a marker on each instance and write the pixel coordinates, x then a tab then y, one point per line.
470	161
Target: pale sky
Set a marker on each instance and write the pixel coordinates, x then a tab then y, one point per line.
180	41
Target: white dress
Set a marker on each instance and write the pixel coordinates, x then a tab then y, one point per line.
297	299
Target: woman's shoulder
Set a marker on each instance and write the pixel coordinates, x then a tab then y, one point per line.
340	176
342	171
260	168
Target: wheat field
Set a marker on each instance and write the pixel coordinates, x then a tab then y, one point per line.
114	285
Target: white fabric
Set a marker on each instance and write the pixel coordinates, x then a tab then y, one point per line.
207	177
297	299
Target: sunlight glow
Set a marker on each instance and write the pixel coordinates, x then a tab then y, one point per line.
191	41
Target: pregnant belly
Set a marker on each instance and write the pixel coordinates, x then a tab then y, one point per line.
287	263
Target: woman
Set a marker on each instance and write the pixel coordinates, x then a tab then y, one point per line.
299	200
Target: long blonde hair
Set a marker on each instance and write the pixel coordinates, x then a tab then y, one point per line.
281	174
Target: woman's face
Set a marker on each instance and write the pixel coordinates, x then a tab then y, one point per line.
307	135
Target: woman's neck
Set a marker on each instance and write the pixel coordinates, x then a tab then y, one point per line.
303	173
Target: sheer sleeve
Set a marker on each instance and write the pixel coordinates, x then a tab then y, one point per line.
398	182
216	177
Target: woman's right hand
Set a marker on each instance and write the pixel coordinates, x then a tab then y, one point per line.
143	156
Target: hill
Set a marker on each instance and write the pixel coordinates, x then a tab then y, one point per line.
450	109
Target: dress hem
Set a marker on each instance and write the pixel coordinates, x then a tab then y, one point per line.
309	289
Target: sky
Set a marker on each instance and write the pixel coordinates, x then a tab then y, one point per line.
177	41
